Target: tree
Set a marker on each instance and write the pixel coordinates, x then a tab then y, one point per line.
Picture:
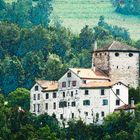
78	130
44	133
12	74
2	4
135	94
119	121
39	14
19	97
137	132
86	38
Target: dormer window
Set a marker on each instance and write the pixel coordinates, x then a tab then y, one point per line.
36	88
117	54
69	74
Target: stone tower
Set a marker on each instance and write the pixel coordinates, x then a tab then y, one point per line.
119	61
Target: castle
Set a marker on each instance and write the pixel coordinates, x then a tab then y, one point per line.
90	94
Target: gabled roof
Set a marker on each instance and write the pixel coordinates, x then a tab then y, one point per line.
94	84
125	107
48	85
117	46
85	73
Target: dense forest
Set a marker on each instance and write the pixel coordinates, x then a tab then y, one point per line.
31	49
127	7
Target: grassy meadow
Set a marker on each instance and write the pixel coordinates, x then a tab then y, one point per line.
75	14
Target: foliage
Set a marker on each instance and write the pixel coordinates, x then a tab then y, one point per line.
127	7
26	13
135	94
20	97
105	30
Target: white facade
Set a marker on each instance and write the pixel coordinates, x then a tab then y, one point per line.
74	99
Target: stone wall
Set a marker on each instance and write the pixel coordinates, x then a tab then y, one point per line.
124	68
101	61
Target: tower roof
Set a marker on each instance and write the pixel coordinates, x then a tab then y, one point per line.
117	46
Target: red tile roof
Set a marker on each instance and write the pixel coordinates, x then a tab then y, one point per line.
125	107
98	84
85	73
48	85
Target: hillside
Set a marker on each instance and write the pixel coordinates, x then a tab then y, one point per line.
77	13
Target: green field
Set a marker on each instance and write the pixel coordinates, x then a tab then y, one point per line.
75	14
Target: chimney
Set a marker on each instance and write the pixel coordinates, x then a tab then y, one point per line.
132	103
94	49
78	71
95	45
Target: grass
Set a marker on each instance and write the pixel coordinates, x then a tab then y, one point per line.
75	14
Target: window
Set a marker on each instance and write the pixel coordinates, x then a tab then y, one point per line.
38	96
54	105
64	94
100	54
63	84
73	83
86	92
72	115
102	113
68	83
130	54
117	102
61	116
46	106
38	110
47	96
73	104
71	93
76	92
69	74
34	108
86	113
54	95
117	67
36	88
102	92
62	104
105	102
117	54
118	91
84	81
86	102
34	96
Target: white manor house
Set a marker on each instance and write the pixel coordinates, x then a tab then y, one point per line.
90	94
